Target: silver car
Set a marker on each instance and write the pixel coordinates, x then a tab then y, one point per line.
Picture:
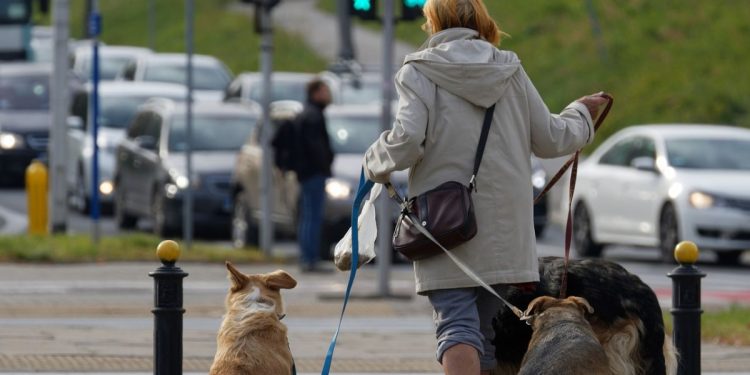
118	103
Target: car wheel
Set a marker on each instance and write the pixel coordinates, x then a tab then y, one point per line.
668	233
582	238
122	218
159	218
80	200
729	257
244	233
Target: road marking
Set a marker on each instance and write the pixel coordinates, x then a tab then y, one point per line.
15	223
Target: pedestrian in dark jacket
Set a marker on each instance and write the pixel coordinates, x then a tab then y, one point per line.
313	168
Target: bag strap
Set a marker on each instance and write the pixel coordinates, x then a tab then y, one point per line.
480	148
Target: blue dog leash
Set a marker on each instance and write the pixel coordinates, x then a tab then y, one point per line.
364	188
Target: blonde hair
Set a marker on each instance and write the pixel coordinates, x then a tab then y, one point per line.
471	14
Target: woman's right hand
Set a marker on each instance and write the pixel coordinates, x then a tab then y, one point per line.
593	102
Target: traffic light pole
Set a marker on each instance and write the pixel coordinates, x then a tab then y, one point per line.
266	65
187	203
58	149
346	47
383	216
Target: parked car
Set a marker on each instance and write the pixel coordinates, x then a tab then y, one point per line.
210	75
150	171
248	87
118	103
111	60
350	89
24	118
656	185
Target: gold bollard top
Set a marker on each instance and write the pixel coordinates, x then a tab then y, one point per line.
686	252
168	251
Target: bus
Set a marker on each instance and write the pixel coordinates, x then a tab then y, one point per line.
15	29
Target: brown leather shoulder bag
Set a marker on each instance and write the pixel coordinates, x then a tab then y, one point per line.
446	211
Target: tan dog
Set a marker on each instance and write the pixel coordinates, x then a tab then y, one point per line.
563	342
252	339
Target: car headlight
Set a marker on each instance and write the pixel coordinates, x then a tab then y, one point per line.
10	141
539	178
701	200
337	189
106	187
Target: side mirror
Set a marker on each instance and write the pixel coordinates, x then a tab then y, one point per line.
146	142
644	163
75	122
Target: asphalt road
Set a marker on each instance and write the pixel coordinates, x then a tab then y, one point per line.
723	285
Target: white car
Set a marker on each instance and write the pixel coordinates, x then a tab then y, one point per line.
656	185
210	75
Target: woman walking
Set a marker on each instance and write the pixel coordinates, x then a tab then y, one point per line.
444	90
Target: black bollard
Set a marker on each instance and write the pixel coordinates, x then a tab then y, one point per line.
686	309
168	311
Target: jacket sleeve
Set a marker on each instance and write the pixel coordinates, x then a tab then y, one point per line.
403	145
555	135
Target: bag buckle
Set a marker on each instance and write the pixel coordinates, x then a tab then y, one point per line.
472	183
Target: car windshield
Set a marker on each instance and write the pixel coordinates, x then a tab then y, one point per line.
204	77
282	90
352	134
368	92
211	133
109	66
709	153
118	111
27	92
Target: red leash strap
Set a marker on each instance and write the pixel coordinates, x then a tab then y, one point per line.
573	161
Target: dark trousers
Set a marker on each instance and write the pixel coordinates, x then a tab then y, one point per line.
311	219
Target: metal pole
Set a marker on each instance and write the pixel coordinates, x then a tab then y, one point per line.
187	204
152	24
346	48
686	309
383	213
94	32
266	194
59	103
168	311
596	29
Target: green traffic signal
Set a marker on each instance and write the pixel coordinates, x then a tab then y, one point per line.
362	5
364	9
411	9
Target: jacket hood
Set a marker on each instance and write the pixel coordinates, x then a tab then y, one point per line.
458	61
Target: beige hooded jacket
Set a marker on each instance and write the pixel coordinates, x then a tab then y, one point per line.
444	90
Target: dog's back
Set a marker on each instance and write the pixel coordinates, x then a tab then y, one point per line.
252	339
563	342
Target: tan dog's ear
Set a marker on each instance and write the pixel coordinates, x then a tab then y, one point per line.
280	280
583	304
537	306
238	279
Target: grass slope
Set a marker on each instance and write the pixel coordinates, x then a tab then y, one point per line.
665	61
218	31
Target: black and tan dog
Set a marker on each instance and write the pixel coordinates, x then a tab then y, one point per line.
627	317
563	342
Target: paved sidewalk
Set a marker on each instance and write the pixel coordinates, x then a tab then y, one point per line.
96	318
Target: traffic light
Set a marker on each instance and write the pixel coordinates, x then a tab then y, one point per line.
364	9
411	9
